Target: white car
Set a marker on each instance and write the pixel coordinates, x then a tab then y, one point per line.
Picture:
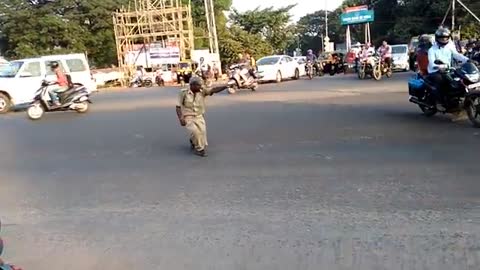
277	68
302	62
20	79
400	57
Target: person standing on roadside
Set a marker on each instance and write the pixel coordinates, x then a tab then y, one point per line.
190	112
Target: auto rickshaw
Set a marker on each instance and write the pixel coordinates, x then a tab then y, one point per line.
334	63
184	72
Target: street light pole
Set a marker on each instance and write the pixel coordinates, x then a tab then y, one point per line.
326	19
453	14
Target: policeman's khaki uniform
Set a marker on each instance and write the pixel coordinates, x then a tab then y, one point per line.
193	110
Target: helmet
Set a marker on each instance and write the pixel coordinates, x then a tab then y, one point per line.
442	36
240	55
424	42
54	64
309	51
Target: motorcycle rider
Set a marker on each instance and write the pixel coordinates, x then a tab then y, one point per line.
62	83
441	51
366	55
203	68
386	53
252	64
312	58
424	44
245	66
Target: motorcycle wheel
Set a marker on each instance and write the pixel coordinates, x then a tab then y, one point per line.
377	73
148	84
472	106
428	112
83	108
35	111
361	74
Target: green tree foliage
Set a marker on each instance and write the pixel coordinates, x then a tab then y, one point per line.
272	24
395	20
31	28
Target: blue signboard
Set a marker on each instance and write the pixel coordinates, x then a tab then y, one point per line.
357	17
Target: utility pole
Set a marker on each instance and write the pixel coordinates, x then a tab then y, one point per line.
453	14
211	26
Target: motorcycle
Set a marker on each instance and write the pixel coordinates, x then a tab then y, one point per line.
141	82
463	93
367	68
76	98
309	69
236	81
5	266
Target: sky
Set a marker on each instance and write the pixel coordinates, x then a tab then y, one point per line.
303	7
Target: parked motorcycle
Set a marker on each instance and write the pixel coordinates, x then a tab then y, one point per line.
370	68
141	82
3	265
463	93
76	98
237	82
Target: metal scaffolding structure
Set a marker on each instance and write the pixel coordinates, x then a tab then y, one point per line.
145	22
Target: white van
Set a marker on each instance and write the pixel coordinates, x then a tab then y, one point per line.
21	78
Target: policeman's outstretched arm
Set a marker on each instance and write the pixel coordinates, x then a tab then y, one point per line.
217	89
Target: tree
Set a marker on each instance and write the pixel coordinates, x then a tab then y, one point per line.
32	28
272	24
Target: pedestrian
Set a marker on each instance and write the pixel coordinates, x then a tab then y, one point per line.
190	112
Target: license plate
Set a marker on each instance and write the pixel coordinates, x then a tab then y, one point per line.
473	86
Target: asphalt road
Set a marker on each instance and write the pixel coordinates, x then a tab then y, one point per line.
333	173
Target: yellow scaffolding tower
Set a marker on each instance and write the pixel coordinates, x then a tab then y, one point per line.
152	21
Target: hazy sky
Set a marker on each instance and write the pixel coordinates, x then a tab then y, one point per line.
303	7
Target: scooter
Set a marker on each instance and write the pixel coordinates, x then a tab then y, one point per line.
237	82
76	98
3	265
141	82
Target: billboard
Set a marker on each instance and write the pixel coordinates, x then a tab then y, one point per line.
154	54
357	8
357	17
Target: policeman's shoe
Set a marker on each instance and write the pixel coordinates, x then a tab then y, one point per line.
459	116
201	153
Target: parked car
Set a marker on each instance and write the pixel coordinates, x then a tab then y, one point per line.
302	62
277	68
400	57
20	79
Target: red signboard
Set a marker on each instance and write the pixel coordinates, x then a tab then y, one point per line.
357	8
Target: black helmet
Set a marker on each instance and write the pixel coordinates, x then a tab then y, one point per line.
442	36
54	64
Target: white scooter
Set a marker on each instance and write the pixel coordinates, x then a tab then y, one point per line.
237	82
76	98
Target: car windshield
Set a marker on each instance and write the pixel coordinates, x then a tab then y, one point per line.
183	65
399	49
10	70
267	61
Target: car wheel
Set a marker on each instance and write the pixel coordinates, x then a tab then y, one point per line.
297	74
5	103
278	79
